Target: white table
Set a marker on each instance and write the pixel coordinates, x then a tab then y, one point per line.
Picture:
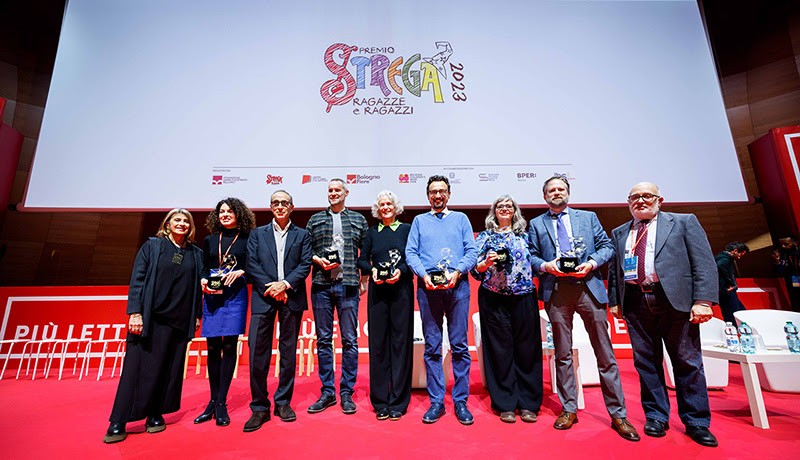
750	375
576	363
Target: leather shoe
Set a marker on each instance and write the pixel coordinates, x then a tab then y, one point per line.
462	413
382	414
285	412
528	416
701	435
258	418
395	415
207	414
625	429
115	433
655	428
325	401
508	417
221	413
348	406
155	424
565	421
433	413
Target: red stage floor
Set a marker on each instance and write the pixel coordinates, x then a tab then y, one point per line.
63	419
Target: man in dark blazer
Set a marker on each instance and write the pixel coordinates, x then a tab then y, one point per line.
278	260
665	281
565	231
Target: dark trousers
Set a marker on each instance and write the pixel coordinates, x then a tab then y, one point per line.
221	365
652	321
434	306
262	328
390	315
729	304
152	376
511	337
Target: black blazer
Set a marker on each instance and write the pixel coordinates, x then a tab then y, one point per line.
262	264
141	292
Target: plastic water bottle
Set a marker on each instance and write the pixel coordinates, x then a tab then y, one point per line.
732	338
791	337
748	343
549	329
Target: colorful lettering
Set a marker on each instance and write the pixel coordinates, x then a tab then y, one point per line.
340	90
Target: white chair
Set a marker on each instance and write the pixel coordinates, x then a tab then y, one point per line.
418	375
716	370
11	344
781	377
580	340
476	328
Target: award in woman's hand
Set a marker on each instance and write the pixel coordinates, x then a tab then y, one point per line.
385	270
569	261
439	274
332	253
216	274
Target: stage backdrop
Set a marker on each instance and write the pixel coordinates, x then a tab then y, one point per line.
98	313
154	104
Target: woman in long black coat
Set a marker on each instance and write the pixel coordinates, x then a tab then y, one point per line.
164	304
390	309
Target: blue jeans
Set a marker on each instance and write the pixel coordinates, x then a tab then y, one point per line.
324	300
651	321
433	306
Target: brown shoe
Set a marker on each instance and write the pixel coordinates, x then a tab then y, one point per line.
625	429
508	417
565	421
527	416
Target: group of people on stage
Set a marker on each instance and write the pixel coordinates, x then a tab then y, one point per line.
662	280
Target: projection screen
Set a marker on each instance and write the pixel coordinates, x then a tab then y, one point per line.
155	105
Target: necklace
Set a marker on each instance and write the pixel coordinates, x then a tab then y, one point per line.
177	258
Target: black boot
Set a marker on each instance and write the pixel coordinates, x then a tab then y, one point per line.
221	413
207	414
115	433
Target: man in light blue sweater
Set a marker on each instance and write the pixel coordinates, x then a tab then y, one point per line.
442	240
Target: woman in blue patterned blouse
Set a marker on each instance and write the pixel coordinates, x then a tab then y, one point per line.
509	313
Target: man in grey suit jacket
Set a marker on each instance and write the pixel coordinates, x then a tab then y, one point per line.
554	234
278	260
665	280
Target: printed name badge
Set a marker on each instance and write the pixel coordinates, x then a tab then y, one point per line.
796	281
629	265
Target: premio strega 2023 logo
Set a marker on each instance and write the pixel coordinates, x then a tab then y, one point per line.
396	84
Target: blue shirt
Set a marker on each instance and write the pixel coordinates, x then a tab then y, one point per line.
430	239
515	278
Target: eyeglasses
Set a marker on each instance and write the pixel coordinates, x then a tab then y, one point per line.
505	206
281	203
646	197
438	192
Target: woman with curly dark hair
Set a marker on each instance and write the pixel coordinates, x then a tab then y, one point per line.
225	298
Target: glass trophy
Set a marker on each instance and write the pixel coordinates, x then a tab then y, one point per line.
216	274
332	253
439	274
569	261
500	248
385	270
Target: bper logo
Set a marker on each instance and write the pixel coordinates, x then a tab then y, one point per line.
216	180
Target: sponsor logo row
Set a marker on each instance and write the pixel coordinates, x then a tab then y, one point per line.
402	178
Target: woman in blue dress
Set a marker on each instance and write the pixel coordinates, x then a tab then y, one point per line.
225	298
509	313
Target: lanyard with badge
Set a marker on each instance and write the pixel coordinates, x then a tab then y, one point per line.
630	264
